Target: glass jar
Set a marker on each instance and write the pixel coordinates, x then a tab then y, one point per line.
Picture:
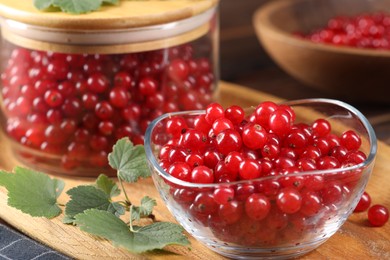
71	85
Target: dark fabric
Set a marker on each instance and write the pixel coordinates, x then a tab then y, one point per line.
15	246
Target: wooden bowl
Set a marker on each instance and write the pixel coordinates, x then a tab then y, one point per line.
347	73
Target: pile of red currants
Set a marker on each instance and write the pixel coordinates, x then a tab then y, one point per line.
370	31
258	192
73	107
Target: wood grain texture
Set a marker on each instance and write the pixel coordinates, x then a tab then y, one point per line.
124	15
354	240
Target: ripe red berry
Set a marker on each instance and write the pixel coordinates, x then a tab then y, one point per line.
228	141
235	114
364	203
178	70
231	212
254	136
213	112
202	174
378	215
263	112
257	206
97	83
180	170
249	169
289	200
223	195
350	140
280	122
53	98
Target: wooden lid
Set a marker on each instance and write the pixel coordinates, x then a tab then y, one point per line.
127	14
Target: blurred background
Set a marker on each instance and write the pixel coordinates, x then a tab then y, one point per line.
243	60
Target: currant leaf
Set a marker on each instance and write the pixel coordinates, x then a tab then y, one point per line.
77	6
67	220
146	208
117	209
158	235
129	160
43	4
114	2
106	225
88	197
32	192
107	185
73	6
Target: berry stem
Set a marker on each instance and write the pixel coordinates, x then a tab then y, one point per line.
127	201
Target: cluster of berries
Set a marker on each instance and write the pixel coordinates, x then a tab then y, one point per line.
71	108
363	31
257	163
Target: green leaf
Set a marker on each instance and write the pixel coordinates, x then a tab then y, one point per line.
86	197
43	4
107	185
32	192
129	160
108	226
158	235
117	209
144	210
77	6
114	2
5	177
73	6
67	220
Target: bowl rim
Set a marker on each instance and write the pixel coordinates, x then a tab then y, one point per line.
262	23
367	125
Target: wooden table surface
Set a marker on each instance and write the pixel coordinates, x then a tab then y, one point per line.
355	240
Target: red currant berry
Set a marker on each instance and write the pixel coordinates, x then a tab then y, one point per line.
235	114
231	212
321	127
180	170
249	169
223	195
221	124
280	122
289	200
364	203
119	97
176	126
97	83
263	112
378	215
257	206
213	112
147	86
254	136
350	140
204	203
53	98
202	174
178	70
228	141
311	203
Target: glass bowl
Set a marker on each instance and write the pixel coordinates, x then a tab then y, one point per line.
227	228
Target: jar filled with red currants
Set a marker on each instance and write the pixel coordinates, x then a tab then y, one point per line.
72	85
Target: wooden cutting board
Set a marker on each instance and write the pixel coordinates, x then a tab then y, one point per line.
354	240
